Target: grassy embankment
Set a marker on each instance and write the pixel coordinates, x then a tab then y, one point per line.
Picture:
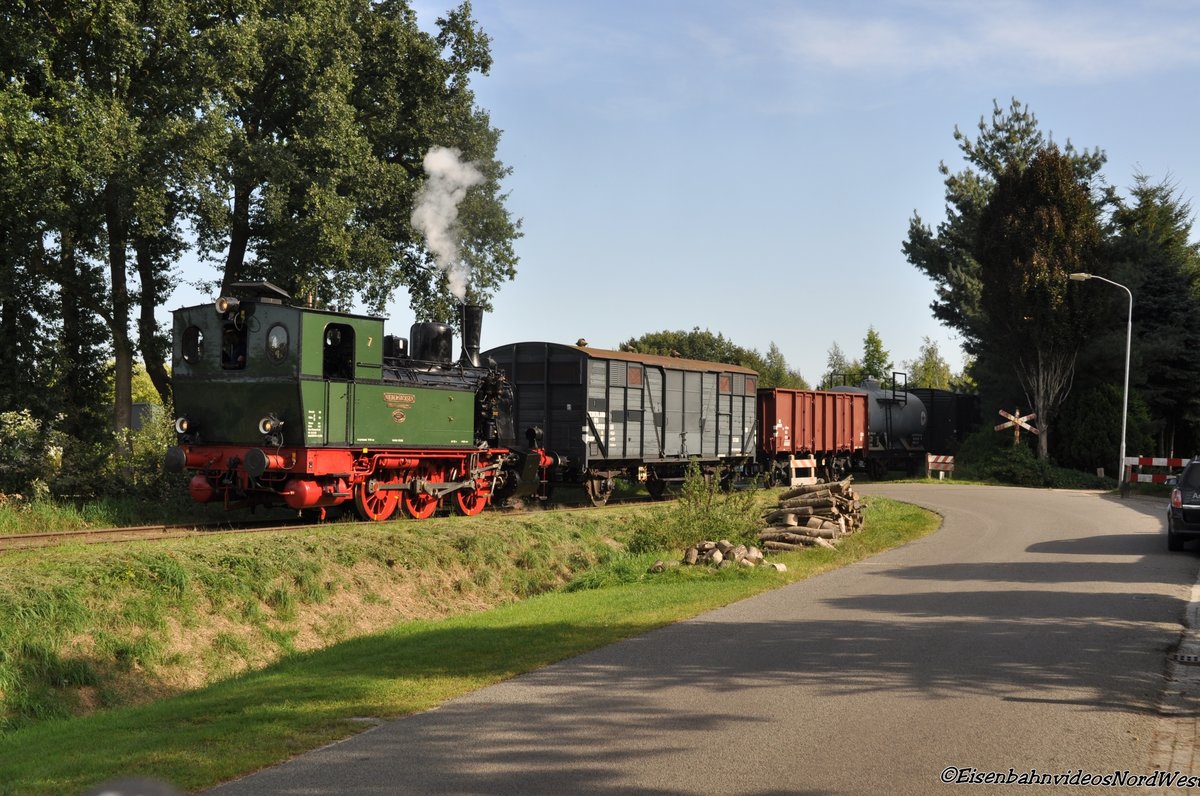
197	660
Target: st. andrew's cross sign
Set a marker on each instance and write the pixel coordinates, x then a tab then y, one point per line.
1016	421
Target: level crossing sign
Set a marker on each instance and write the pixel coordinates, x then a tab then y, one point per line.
1016	421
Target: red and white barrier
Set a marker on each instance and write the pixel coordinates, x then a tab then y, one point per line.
938	464
1151	461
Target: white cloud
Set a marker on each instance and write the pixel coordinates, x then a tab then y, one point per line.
1053	42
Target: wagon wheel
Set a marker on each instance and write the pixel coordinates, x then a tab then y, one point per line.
469	502
598	489
373	503
421	505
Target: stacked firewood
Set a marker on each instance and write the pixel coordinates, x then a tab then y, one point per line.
815	515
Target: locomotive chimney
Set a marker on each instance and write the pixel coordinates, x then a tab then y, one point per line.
472	325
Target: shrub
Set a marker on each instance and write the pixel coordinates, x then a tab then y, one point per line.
703	511
987	456
32	454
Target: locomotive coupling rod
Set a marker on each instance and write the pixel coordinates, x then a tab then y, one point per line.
420	486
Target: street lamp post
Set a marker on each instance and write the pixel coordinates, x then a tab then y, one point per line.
1083	277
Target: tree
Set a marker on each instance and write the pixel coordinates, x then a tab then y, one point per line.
876	362
57	136
1010	140
1039	225
703	345
776	373
290	135
112	86
929	369
696	344
838	369
1160	264
329	108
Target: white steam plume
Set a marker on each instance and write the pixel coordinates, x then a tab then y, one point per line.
436	212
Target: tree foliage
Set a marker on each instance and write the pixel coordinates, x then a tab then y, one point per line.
1010	140
876	363
1155	257
1039	225
289	136
324	111
703	345
929	369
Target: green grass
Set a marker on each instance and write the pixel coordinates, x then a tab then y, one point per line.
307	699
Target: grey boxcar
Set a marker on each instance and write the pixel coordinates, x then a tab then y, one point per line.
615	414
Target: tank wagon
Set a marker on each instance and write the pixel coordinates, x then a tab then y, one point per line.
828	427
896	428
279	404
906	424
610	415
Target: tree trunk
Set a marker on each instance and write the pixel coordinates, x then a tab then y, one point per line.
239	238
154	347
116	226
1047	381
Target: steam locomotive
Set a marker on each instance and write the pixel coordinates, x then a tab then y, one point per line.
279	404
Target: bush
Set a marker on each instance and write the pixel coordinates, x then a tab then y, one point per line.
32	454
703	511
987	456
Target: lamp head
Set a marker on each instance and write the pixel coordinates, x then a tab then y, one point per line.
1080	276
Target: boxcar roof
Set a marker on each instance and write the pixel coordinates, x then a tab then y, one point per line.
679	363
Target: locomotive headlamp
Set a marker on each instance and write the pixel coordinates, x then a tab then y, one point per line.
225	304
181	425
270	425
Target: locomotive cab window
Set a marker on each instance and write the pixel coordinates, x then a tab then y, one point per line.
339	352
193	345
233	346
277	343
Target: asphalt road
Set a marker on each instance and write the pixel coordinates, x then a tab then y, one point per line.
1031	632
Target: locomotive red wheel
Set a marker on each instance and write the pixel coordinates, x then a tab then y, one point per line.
469	502
421	506
375	504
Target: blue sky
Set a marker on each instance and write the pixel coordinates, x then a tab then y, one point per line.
751	167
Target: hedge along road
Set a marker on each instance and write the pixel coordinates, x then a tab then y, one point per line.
1031	632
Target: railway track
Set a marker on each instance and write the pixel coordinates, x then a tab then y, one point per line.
133	533
144	533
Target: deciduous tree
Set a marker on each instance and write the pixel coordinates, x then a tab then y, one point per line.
929	369
876	362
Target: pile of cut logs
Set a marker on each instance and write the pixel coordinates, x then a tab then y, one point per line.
815	515
720	554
